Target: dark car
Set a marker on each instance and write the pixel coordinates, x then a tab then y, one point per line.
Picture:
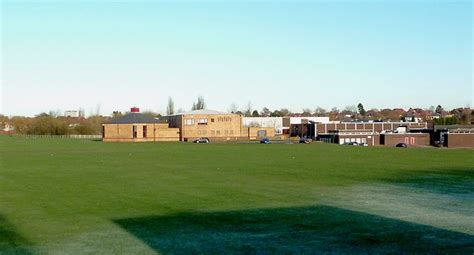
401	145
305	140
265	141
352	143
202	140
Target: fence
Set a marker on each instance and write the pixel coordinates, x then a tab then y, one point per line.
89	137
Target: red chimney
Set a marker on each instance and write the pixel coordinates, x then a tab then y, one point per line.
135	109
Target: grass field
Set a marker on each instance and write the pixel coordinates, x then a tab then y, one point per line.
88	197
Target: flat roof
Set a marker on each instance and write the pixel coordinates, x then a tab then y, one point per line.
202	112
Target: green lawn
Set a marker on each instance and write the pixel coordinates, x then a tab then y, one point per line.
88	197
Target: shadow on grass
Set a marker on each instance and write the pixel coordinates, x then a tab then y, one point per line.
10	241
442	182
300	230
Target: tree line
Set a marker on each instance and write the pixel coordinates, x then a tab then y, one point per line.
53	124
50	124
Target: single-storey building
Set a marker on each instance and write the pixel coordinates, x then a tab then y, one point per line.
454	136
410	139
137	127
302	126
374	133
345	136
376	127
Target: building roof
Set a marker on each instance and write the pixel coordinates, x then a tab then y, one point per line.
451	127
132	118
203	112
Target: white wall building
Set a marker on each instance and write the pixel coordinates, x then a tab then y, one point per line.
71	114
275	122
303	120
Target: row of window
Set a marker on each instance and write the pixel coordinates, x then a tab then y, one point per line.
204	121
215	132
347	140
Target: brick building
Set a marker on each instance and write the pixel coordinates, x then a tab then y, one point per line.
375	133
217	126
137	127
454	136
410	139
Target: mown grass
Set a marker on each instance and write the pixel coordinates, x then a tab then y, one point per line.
73	196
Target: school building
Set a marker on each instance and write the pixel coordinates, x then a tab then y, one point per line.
215	125
137	127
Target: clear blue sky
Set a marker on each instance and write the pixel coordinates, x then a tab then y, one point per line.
59	55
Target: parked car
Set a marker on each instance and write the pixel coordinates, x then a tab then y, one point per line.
352	143
305	140
363	144
401	145
202	140
265	141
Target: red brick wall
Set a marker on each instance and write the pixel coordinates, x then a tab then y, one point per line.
461	140
408	138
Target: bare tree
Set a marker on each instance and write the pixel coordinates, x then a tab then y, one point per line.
306	112
248	110
351	109
233	108
200	103
320	112
334	114
170	107
97	110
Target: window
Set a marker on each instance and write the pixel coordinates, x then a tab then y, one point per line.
202	121
145	131
189	122
412	140
232	132
103	131
134	131
226	132
212	120
218	132
213	132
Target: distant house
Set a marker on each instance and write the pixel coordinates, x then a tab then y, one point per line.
7	127
71	114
